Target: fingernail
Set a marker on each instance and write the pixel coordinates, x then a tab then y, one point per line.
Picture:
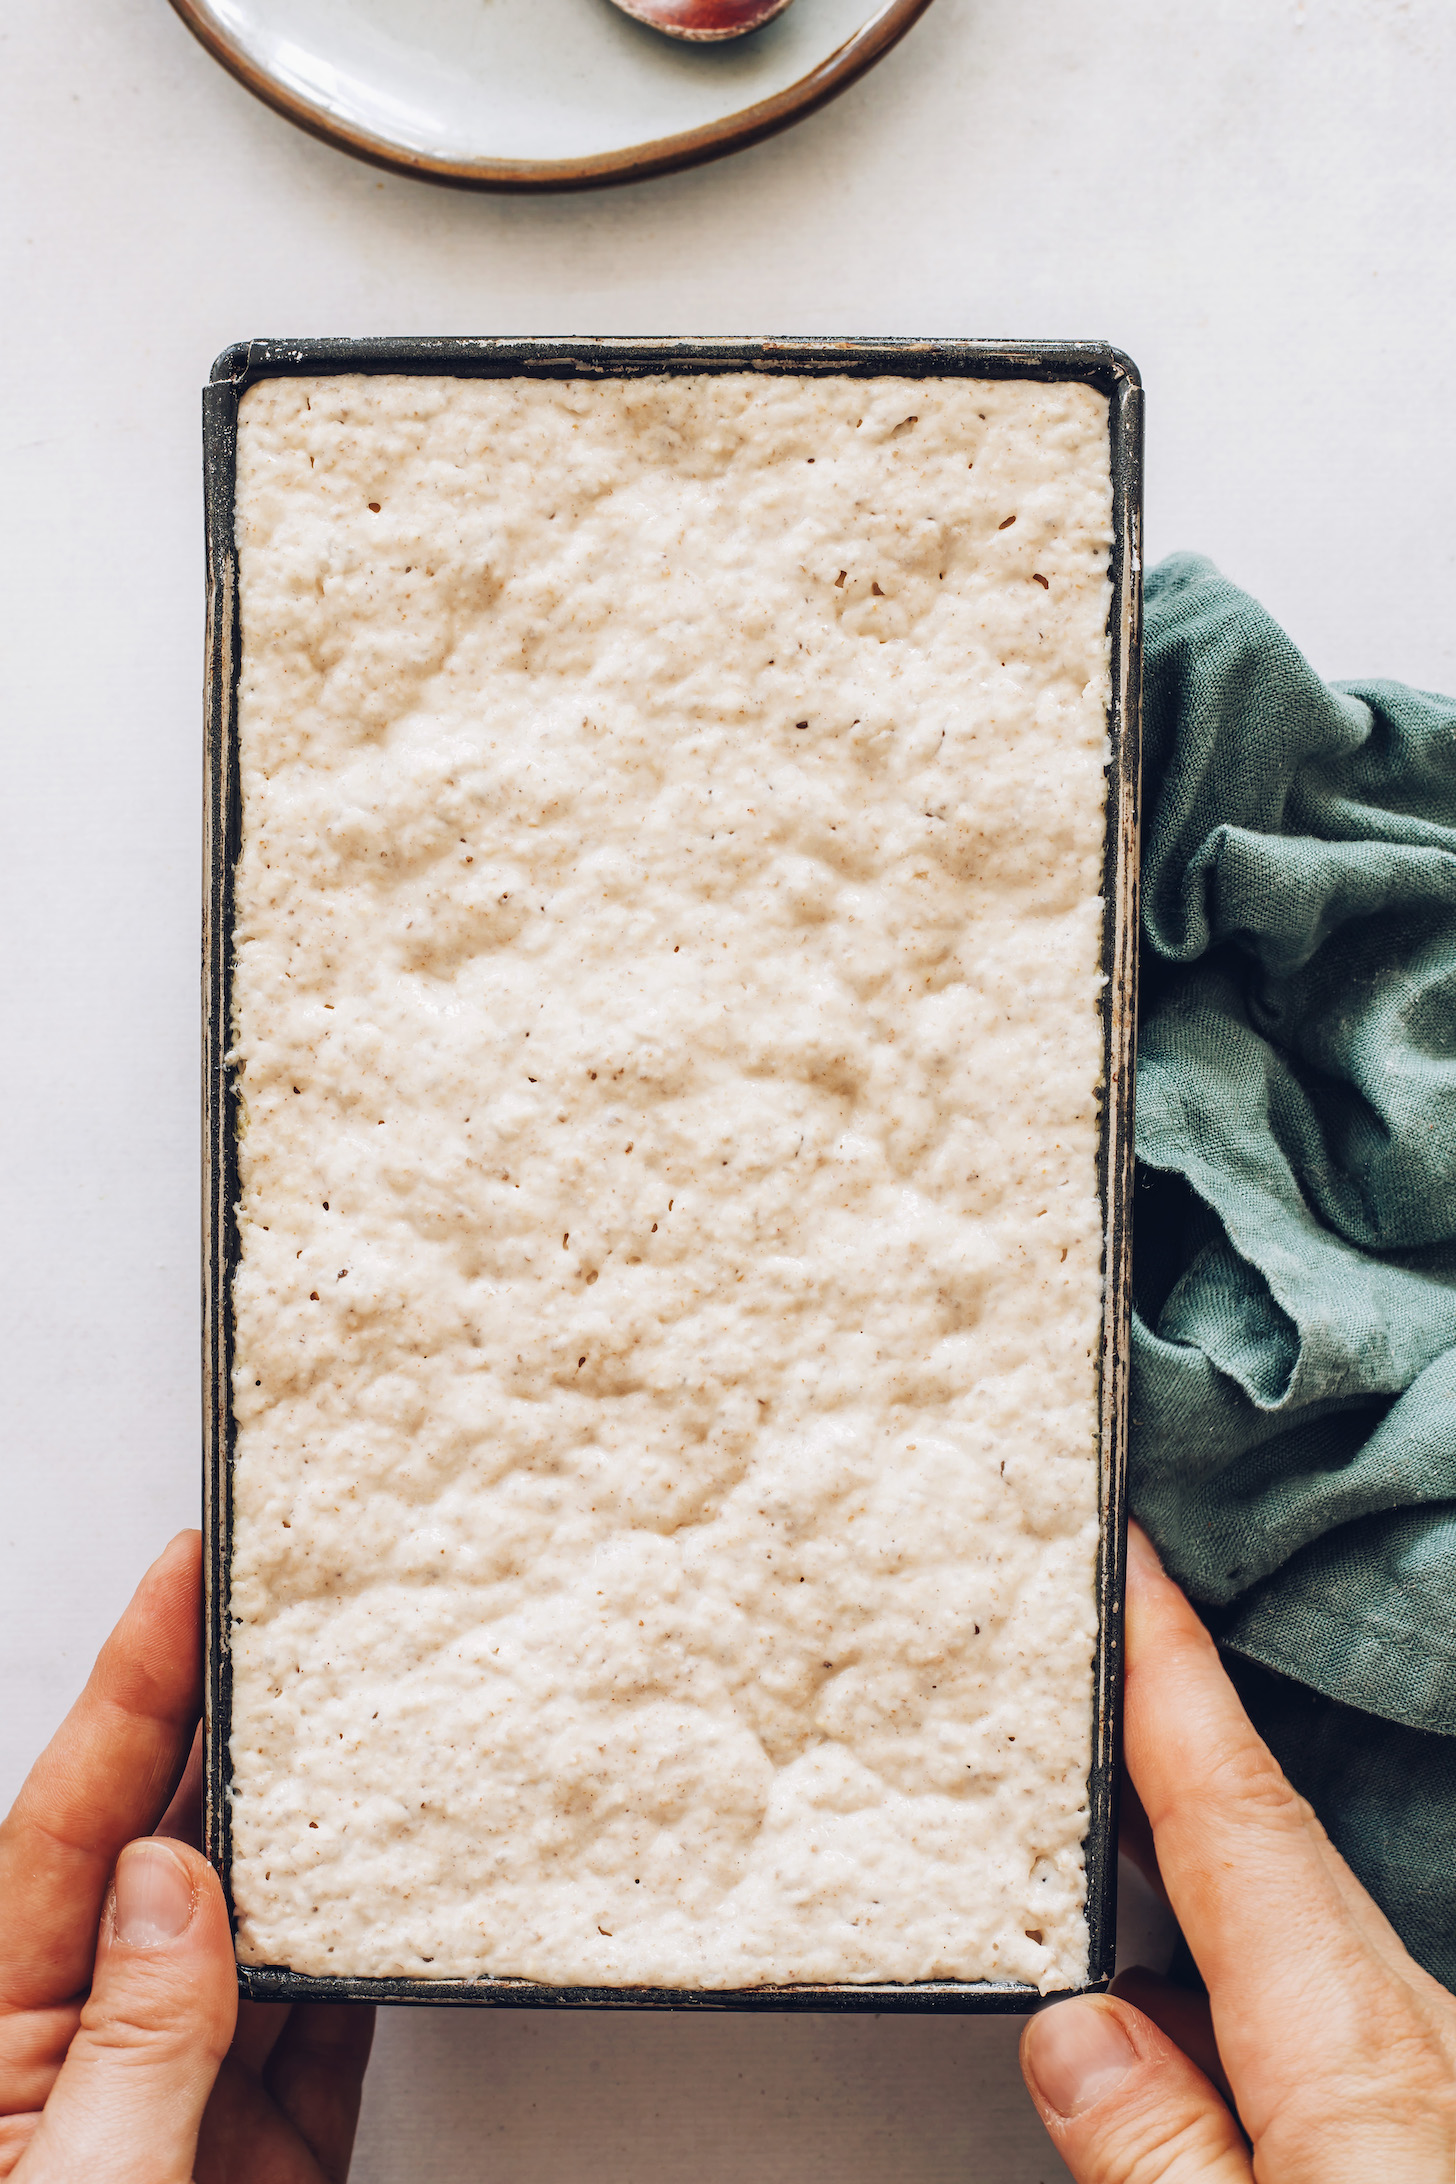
1076	2053
153	1896
1141	1553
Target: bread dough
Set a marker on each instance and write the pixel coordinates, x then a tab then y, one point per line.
667	1026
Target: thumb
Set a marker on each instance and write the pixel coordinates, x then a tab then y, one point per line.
1123	2105
128	2102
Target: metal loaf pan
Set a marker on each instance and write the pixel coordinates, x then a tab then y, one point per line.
1093	364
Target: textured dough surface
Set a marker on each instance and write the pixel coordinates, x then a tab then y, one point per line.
666	1014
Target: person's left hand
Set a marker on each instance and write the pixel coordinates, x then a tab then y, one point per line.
124	2057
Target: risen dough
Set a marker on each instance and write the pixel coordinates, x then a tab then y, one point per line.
666	1011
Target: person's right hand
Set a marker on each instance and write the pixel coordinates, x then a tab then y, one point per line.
1321	2036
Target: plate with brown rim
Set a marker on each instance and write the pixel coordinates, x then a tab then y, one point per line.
537	94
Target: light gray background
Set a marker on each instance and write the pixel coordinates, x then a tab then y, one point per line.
1255	197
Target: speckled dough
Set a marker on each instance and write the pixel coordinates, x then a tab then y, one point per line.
666	1016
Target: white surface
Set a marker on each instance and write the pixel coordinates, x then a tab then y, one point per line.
1256	200
669	1032
522	79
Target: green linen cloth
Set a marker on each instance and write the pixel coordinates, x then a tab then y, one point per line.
1293	1449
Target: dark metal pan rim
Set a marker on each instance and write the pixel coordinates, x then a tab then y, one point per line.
948	1997
1093	363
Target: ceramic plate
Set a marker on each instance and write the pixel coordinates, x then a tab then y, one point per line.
536	94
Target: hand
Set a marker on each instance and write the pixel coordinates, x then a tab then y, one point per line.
124	2057
1320	2036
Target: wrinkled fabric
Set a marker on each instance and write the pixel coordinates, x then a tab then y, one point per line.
1293	1447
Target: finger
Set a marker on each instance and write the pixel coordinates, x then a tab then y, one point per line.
260	2028
259	2023
253	2127
1185	2017
316	2075
1242	1867
1362	1910
243	2139
16	2133
130	2096
1310	2013
33	2046
183	1818
103	1779
1123	2104
1370	1921
1135	1837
